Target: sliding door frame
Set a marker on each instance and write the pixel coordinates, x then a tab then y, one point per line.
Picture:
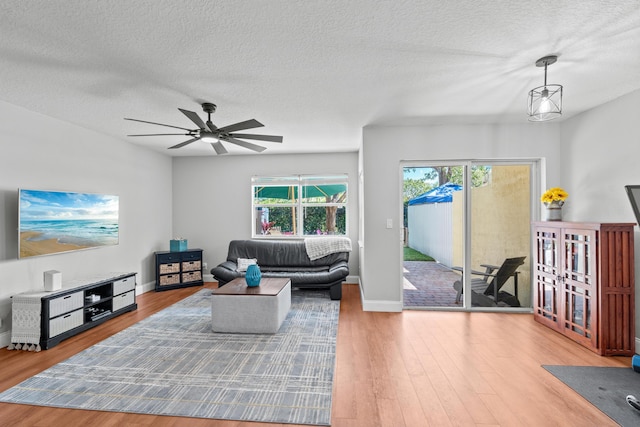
536	184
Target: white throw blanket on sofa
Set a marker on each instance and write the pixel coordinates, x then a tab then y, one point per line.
318	247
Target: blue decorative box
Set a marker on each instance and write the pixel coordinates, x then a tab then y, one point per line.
178	245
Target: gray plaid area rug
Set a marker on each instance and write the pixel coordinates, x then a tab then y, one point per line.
173	364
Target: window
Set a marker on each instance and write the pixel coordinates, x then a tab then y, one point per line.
300	205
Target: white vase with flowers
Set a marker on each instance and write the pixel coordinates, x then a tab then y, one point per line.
553	200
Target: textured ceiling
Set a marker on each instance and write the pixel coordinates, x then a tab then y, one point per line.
315	72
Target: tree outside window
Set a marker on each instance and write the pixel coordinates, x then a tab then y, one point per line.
300	206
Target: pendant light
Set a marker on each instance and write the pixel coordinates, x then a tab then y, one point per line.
545	102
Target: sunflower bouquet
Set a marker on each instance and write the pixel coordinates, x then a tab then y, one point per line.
555	194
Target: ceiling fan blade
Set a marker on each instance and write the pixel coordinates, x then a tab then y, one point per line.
194	118
159	134
247	124
219	148
154	123
182	144
270	138
245	144
211	126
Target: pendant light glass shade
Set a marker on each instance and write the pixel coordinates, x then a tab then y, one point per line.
545	102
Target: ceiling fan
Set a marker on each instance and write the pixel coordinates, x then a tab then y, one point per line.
208	132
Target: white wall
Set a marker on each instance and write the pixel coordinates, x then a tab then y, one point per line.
39	152
212	196
383	149
601	154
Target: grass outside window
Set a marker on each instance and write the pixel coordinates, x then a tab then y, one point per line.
413	255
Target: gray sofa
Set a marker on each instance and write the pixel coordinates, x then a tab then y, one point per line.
283	258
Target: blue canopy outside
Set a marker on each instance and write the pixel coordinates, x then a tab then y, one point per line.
441	194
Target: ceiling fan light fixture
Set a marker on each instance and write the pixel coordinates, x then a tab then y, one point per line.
545	102
208	137
210	133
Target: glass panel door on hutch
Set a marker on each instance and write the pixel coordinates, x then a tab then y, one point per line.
583	277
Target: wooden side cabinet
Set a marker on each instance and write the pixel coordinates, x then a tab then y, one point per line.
583	276
178	269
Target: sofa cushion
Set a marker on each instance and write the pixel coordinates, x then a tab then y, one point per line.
244	263
279	253
277	268
286	258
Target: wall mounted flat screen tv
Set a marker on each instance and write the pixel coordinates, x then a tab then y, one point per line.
52	222
633	192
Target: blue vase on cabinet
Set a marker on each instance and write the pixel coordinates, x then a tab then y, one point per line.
253	275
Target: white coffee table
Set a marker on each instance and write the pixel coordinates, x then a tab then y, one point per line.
237	308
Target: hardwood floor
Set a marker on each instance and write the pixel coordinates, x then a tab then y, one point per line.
415	368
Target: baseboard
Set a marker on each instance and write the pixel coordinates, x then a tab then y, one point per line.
352	279
5	339
377	305
208	278
386	306
145	287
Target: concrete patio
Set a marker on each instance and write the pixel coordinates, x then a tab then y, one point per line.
428	284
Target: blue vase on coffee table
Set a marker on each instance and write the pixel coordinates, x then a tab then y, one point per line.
253	275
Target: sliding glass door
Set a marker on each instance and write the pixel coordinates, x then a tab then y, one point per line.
433	234
467	235
500	235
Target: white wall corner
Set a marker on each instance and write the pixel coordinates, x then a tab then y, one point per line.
5	339
352	279
146	287
378	305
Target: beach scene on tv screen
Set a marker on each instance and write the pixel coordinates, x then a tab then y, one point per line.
53	222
